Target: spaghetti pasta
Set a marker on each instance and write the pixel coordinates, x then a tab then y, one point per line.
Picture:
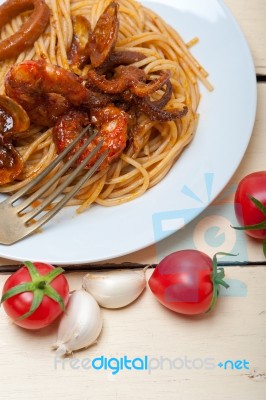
156	145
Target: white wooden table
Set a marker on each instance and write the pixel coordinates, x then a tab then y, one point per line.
179	349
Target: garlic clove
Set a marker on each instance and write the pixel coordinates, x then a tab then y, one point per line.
115	289
80	325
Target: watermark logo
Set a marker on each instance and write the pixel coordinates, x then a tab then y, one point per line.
146	363
102	363
234	364
208	229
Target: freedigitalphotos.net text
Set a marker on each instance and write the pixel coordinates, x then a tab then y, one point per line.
147	363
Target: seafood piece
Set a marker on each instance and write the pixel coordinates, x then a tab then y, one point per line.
127	77
145	89
68	127
84	42
130	83
11	162
48	91
161	103
124	78
13	119
104	36
117	58
78	55
27	81
12	116
29	31
111	123
156	113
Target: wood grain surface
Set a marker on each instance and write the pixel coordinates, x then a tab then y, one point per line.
183	353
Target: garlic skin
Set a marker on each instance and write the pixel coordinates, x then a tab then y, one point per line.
80	325
115	289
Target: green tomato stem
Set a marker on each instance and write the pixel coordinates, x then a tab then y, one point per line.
260	225
36	301
53	274
255	227
217	279
39	286
21	288
222	283
258	204
34	274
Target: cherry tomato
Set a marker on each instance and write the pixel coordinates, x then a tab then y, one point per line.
35	295
250	204
187	282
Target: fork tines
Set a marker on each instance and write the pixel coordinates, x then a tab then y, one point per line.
31	224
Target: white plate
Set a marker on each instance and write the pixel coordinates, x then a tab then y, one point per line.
226	122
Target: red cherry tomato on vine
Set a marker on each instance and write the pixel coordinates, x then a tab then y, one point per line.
35	295
187	282
250	204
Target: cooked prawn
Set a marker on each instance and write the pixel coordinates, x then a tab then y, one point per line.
48	91
111	123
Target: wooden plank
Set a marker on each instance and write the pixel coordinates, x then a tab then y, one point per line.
250	15
254	159
183	352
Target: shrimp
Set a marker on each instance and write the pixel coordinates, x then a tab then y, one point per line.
111	123
48	91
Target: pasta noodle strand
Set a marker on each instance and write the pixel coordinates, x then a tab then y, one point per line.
155	146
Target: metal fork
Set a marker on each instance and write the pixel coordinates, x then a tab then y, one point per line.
14	225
